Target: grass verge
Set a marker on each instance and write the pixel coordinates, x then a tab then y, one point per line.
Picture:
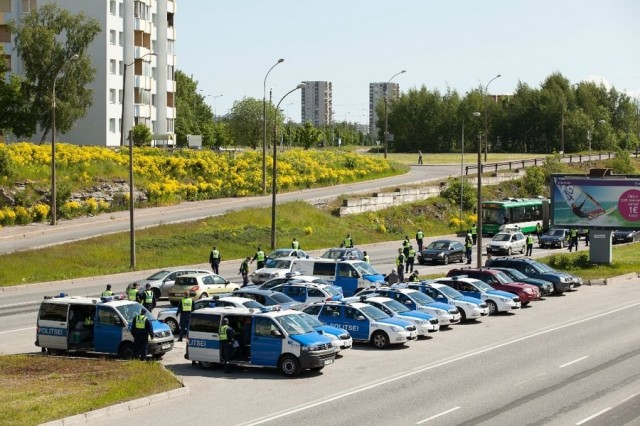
38	389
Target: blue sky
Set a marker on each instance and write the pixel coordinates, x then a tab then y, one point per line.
228	47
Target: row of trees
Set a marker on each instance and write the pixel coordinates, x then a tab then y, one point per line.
531	120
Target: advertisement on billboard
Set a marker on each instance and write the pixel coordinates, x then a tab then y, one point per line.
604	203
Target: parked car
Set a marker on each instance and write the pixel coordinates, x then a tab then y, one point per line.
340	338
292	277
546	288
561	280
343	253
424	322
162	281
442	251
626	236
283	252
269	298
507	243
200	286
558	237
470	308
496	300
500	281
309	293
280	267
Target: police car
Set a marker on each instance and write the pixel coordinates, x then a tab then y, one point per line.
273	338
365	323
413	299
95	325
340	338
309	293
470	308
496	300
424	323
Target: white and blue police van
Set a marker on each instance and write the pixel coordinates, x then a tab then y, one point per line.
365	323
95	325
350	275
470	308
264	338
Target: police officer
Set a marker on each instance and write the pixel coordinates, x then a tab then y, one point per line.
227	335
214	260
411	257
108	291
573	238
142	332
400	264
259	257
295	244
538	230
132	292
148	298
468	243
474	233
419	239
366	257
414	277
406	243
244	271
185	307
529	244
348	241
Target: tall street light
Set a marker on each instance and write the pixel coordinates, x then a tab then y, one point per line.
275	170
386	114
132	233
486	117
215	109
54	196
264	127
479	201
475	114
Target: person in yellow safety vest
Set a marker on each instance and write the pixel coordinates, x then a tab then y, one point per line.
185	307
411	257
108	291
227	335
142	332
295	244
419	239
474	233
259	257
529	244
414	277
132	292
148	298
366	257
214	260
348	241
573	238
406	243
468	243
538	230
400	264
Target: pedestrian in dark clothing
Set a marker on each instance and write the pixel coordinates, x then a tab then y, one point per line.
260	258
142	331
347	242
468	243
245	339
214	260
148	298
185	307
227	335
419	157
419	239
392	278
586	238
411	257
529	244
400	264
244	271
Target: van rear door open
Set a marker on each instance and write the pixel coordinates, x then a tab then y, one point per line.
53	325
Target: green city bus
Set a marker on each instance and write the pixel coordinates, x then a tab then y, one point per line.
523	213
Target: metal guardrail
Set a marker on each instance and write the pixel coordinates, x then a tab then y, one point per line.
510	165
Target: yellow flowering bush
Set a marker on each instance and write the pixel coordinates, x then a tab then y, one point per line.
40	211
70	209
23	216
8	216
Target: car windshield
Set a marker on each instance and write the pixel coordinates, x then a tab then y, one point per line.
482	285
364	268
556	233
541	267
421	298
159	275
333	254
374	313
278	253
130	310
501	237
438	245
502	277
281	264
293	324
332	290
516	274
311	320
281	298
396	306
252	304
450	292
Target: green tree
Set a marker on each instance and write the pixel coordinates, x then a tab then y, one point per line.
141	135
452	193
46	39
246	125
193	115
309	136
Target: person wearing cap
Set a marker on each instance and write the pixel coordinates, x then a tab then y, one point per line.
214	259
400	264
148	298
185	307
132	292
392	278
142	331
227	336
259	257
244	271
108	291
414	277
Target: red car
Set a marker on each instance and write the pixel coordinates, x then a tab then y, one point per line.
501	281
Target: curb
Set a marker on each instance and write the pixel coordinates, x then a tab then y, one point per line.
89	416
613	280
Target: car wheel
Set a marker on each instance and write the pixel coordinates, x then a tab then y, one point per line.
493	308
204	296
157	357
523	304
445	260
421	262
289	366
463	315
127	351
156	293
173	325
207	365
380	340
522	250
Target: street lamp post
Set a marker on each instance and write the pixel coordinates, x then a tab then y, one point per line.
215	109
275	170
264	128
486	117
386	113
479	202
54	195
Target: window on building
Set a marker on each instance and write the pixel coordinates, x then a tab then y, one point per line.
112	36
170	46
112	66
121	67
121	10
120	92
112	96
170	128
112	125
170	72
112	7
121	38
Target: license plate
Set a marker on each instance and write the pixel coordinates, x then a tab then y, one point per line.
166	345
328	361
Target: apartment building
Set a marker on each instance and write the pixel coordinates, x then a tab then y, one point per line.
317	103
138	38
377	93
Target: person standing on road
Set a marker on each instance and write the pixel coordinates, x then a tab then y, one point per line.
573	239
107	291
474	233
259	257
366	257
529	244
400	264
538	230
468	243
142	332
295	244
244	271
214	260
348	241
149	298
227	336
411	257
185	307
132	292
586	238
419	239
419	157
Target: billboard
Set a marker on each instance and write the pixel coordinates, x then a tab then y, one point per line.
595	202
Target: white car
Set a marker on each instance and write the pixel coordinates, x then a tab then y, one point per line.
507	243
424	322
496	300
162	281
281	266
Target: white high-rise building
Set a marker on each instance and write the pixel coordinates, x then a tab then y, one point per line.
317	103
137	33
377	93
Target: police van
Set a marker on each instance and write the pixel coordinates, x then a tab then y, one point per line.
351	275
365	323
95	325
265	338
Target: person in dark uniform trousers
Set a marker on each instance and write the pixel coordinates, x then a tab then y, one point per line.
185	307
148	298
142	332
227	336
259	257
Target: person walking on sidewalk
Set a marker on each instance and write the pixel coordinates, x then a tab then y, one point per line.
419	239
214	260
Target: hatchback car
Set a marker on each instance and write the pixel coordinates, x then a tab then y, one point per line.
546	288
442	251
162	281
470	308
343	253
424	322
284	252
309	293
507	243
496	300
625	236
280	267
500	281
269	298
200	286
561	280
555	238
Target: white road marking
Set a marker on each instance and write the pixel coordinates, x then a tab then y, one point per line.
20	329
593	416
431	367
629	397
437	415
574	361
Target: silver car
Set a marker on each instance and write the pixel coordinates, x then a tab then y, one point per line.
507	243
162	281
